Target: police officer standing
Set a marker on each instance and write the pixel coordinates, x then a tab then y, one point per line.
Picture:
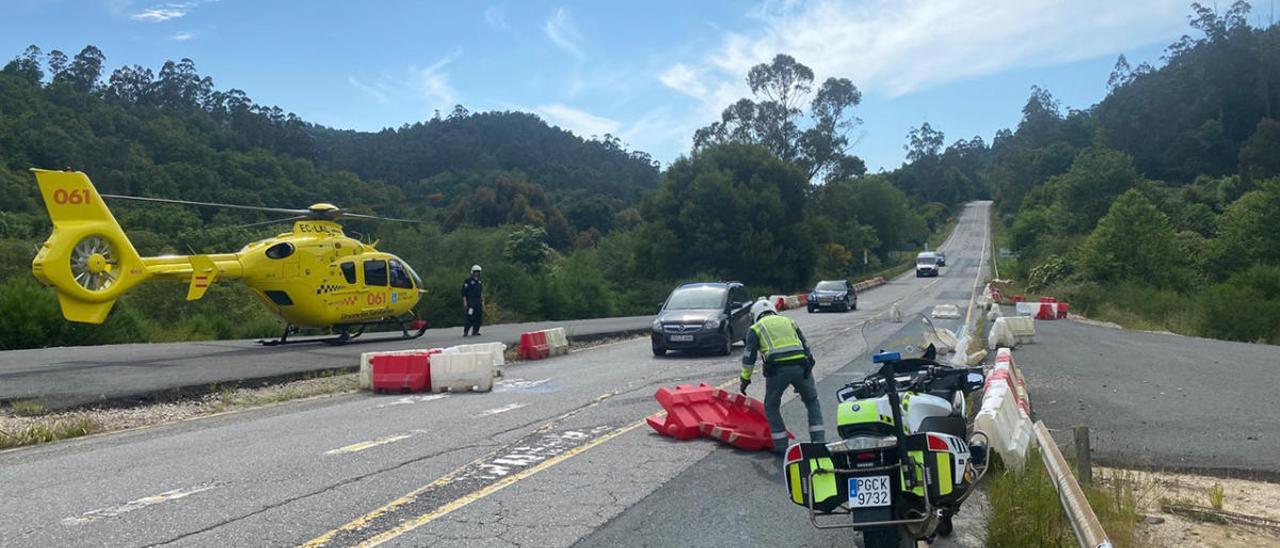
787	362
473	302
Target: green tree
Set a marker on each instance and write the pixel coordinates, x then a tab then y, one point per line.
733	210
1133	242
1247	231
819	144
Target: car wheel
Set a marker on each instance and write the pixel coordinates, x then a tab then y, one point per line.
728	345
812	310
659	351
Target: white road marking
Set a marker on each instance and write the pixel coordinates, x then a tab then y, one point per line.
517	384
366	444
132	505
503	409
410	400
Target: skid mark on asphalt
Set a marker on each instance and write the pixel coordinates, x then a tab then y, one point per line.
497	410
101	513
356	447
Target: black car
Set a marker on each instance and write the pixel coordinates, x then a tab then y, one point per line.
702	316
833	295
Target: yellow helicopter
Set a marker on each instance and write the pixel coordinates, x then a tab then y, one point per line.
312	277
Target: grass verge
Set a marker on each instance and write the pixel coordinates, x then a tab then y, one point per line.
47	431
1026	510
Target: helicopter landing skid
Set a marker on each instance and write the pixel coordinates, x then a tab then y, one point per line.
349	333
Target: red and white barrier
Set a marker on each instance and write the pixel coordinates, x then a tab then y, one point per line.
537	345
1005	413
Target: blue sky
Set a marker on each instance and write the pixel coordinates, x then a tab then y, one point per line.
650	72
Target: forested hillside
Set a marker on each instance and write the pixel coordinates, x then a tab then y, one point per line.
1156	206
558	221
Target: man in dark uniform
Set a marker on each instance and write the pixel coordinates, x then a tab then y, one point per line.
473	302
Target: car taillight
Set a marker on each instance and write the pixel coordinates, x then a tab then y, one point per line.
869	455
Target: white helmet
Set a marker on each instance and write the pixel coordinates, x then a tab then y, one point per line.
760	308
475	268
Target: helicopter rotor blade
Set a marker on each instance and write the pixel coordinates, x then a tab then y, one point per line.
206	204
273	221
377	218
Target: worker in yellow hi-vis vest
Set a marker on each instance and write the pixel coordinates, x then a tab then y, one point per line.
787	362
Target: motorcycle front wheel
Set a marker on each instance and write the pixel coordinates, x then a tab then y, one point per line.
894	537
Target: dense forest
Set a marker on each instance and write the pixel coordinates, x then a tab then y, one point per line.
566	227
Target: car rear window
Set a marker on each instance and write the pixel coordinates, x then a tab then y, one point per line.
693	298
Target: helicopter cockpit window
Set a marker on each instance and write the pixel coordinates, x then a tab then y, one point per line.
400	276
375	272
349	272
280	250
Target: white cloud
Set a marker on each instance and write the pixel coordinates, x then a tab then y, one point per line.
580	122
496	18
684	80
427	88
896	47
563	33
182	36
158	15
433	84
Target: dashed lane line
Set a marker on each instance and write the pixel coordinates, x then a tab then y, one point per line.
133	505
357	447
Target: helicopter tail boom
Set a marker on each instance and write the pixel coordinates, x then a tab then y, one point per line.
87	259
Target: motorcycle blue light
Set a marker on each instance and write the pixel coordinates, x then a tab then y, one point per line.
881	357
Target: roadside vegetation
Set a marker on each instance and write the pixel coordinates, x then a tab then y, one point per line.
1026	510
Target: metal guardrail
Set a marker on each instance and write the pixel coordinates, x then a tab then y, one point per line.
1084	523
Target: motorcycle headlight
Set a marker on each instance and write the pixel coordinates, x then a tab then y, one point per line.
711	324
862	443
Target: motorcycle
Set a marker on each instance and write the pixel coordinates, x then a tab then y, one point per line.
906	459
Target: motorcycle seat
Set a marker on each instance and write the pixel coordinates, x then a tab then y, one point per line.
952	425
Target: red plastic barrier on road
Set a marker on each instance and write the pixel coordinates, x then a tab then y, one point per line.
1062	310
804	298
533	345
708	411
1019	298
780	303
402	372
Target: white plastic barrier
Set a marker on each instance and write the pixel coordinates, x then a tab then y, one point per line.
792	301
946	311
1004	423
1011	331
497	349
462	371
557	341
1023	328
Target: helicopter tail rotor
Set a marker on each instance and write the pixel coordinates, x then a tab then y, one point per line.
87	260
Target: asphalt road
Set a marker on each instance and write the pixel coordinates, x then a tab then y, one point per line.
78	375
1158	400
558	454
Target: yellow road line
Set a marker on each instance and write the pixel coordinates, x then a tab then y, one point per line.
366	444
469	498
493	488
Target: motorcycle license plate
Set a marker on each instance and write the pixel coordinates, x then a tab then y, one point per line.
681	338
869	492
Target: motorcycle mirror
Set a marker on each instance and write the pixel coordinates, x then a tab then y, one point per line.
975	381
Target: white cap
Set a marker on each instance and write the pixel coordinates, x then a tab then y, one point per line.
475	268
760	308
